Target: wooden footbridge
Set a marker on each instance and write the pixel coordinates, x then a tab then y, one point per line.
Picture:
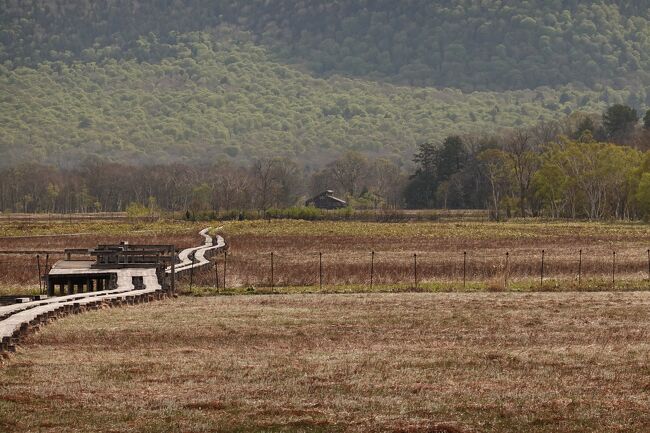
119	274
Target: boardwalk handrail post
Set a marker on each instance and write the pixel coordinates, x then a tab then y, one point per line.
47	285
173	269
40	281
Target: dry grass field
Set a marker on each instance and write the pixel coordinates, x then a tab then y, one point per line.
346	253
347	246
410	362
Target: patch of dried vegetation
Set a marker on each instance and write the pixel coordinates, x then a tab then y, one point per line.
489	362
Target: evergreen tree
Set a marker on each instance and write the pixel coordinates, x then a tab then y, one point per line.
619	120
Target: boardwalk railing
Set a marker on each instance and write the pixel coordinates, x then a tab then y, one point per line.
134	285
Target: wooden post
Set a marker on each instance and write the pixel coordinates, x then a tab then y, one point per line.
225	262
541	277
70	287
507	270
614	270
415	269
173	269
320	270
192	273
372	268
580	269
38	266
271	269
464	269
216	273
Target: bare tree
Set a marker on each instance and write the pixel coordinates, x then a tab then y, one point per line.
497	168
275	182
349	171
388	181
525	161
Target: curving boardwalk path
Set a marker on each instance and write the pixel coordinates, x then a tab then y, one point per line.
19	319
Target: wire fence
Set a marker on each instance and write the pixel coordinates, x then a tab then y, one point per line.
579	269
544	269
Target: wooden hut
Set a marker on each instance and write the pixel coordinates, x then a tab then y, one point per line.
326	200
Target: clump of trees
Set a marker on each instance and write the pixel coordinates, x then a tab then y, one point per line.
98	185
595	167
575	169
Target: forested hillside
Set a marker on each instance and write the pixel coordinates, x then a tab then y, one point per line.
219	97
160	81
471	44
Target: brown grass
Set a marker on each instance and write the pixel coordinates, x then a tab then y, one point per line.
346	248
488	362
347	258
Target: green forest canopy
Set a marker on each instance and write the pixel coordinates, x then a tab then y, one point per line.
469	44
194	80
225	99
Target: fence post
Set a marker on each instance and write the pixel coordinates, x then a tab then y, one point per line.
372	268
507	270
216	273
580	269
541	278
464	269
225	262
47	263
38	266
192	273
613	270
649	264
271	270
415	269
320	270
173	257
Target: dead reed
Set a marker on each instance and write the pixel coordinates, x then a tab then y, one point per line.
488	362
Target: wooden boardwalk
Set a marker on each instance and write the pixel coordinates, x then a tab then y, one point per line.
19	319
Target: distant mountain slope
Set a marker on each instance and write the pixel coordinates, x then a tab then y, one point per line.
219	96
190	80
468	44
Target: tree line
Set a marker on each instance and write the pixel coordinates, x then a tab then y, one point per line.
584	167
587	167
